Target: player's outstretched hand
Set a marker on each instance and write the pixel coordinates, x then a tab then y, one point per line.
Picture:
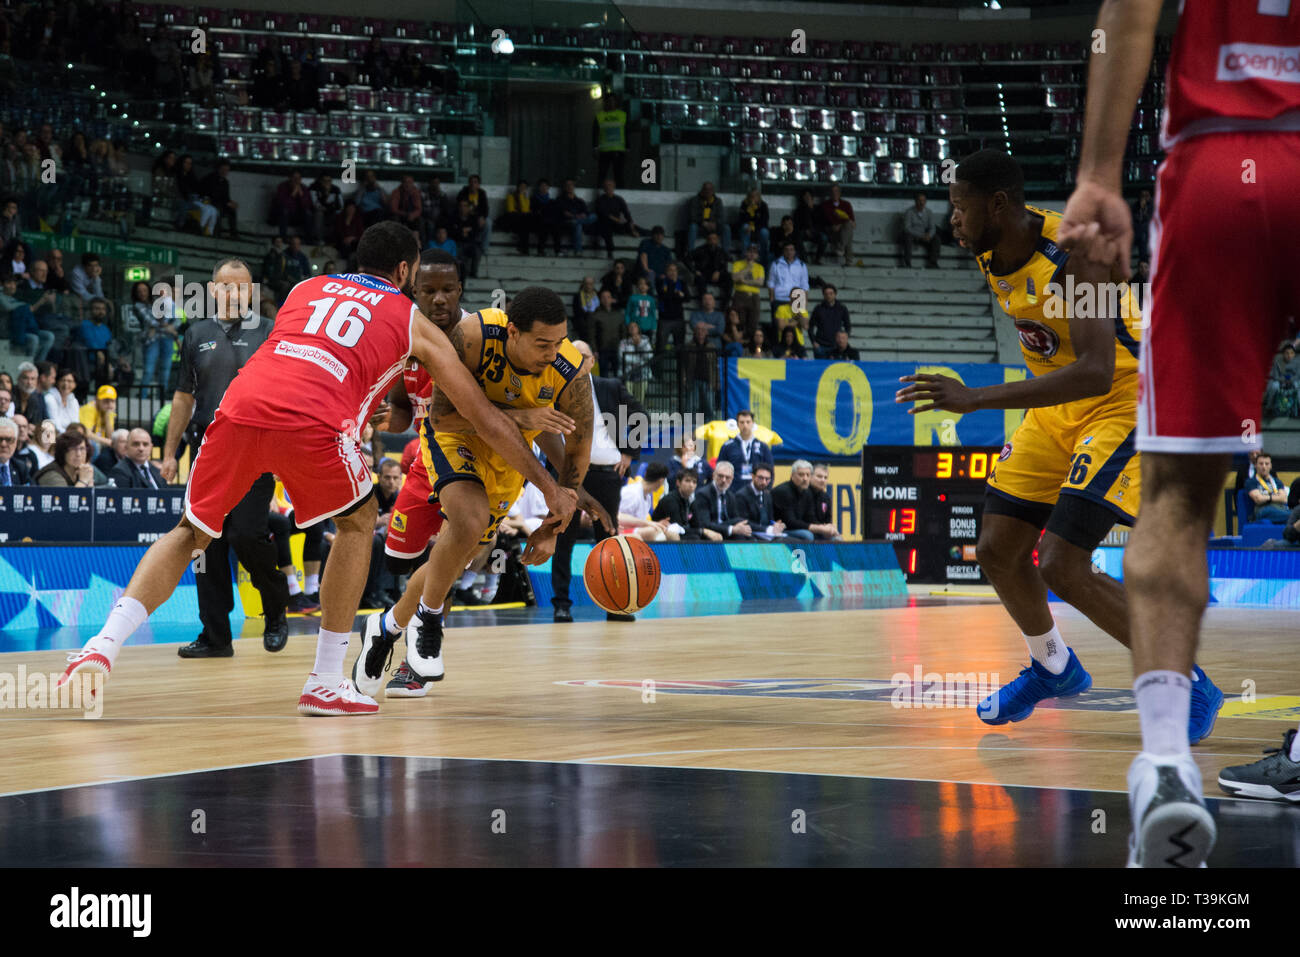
540	545
936	392
1098	226
379	421
562	502
542	419
588	504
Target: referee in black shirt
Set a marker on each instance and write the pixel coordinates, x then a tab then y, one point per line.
212	353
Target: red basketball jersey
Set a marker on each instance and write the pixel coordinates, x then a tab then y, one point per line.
1235	65
339	343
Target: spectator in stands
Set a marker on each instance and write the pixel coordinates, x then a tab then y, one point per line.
840	223
828	319
680	514
823	526
1266	492
192	199
609	136
686	458
61	407
712	266
13	471
406	205
216	187
96	338
1280	395
43	303
747	278
718	508
299	265
41	444
268	85
809	228
25	333
292	207
788	274
300	90
371	199
157	333
26	453
464	229
576	216
164	191
348	227
376	65
613	216
135	470
745	450
100	416
86	281
114	452
756	347
707	215
519	217
635	354
752	222
919	227
733	336
549	217
793	502
203	80
476	196
653	256
275	269
7	408
618	283
11	226
643	309
18	261
585	302
442	241
788	347
606	331
56	279
672	309
70	467
754	504
843	352
437	206
699	367
636	502
29	397
709	315
327	204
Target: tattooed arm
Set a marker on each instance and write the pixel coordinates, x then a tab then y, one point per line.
576	403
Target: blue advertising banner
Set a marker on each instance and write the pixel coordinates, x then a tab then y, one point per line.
822	408
35	514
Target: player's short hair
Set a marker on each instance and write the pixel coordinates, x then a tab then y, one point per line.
440	257
385	246
993	171
535	304
229	261
655	471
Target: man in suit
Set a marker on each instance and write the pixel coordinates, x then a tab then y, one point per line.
718	508
754	503
12	471
112	453
793	503
135	470
744	451
682	512
611	456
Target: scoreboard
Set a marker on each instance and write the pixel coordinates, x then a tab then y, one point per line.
928	502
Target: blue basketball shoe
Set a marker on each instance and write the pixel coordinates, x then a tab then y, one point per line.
1015	701
1207	699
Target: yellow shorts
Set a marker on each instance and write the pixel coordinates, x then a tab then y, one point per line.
454	456
1053	453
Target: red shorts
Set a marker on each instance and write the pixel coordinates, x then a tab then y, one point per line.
323	472
415	519
1224	282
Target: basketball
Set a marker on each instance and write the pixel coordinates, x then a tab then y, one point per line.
622	575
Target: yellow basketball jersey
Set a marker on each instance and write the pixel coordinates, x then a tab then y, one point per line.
1037	296
505	385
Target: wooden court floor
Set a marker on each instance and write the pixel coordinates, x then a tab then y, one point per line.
527	692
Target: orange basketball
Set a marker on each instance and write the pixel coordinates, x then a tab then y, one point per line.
622	574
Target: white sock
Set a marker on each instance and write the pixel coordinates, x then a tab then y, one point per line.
331	647
1295	748
467	579
390	624
1164	701
123	621
312	585
490	582
1049	650
426	610
292	579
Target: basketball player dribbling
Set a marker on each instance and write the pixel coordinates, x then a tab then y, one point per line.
1069	472
1224	282
339	343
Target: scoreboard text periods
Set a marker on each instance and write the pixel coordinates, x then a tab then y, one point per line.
928	503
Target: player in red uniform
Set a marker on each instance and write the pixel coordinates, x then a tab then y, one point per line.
1223	283
297	409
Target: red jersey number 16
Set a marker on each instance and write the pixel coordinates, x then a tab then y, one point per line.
346	323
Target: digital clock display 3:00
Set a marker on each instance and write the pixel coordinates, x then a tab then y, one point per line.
943	465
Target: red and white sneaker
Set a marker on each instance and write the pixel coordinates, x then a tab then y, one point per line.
335	696
91	659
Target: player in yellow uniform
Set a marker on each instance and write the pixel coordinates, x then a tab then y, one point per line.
525	365
1071	467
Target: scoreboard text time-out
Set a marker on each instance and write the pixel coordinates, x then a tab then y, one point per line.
928	503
